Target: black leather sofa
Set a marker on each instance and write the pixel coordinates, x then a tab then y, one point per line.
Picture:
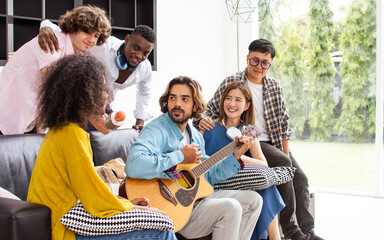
24	220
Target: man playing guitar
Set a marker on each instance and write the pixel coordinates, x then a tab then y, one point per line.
170	140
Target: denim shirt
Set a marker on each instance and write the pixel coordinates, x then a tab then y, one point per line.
158	149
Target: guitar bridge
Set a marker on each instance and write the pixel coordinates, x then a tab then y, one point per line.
166	193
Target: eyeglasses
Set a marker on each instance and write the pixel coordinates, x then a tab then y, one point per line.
255	61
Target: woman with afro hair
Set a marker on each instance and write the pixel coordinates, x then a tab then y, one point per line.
72	94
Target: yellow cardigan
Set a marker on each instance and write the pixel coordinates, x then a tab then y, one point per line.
64	173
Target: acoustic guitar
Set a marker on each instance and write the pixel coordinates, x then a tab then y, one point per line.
177	197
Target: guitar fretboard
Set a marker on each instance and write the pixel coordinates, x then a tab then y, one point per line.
215	158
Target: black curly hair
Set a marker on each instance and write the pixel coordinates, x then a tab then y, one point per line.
88	19
74	90
146	32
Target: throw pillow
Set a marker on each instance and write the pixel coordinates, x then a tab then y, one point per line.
257	177
83	223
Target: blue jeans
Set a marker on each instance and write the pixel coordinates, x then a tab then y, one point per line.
134	235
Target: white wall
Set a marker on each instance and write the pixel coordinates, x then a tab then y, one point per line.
195	39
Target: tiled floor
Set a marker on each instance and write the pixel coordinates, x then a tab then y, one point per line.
344	217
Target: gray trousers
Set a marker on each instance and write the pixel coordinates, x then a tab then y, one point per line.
227	214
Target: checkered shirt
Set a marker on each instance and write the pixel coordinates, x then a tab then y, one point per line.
275	111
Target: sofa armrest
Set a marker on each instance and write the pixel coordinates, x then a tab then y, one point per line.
23	220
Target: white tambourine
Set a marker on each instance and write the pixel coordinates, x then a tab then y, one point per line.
233	132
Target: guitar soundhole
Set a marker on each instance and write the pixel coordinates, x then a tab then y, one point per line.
187	180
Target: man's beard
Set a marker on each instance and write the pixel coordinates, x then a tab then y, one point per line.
182	120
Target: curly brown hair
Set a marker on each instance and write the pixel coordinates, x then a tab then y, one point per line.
74	90
88	19
197	95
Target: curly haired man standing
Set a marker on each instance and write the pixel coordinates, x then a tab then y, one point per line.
83	28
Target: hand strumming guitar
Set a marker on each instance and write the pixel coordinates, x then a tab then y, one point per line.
191	154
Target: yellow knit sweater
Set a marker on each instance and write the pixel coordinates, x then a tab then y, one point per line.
64	173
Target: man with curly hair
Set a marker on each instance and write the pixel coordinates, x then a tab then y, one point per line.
125	62
170	140
83	28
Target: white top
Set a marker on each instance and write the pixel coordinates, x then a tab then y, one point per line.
186	140
142	76
258	105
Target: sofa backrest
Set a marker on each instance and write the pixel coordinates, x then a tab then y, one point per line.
18	155
113	145
17	158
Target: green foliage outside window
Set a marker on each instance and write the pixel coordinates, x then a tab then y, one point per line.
304	67
291	70
358	69
321	70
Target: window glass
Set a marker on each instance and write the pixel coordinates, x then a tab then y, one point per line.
326	64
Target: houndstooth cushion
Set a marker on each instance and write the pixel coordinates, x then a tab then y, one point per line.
81	222
257	177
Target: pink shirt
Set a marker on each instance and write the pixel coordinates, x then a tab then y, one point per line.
20	80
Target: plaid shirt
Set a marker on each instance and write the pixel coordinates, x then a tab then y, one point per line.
275	111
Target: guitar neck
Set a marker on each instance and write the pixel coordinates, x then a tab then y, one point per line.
216	158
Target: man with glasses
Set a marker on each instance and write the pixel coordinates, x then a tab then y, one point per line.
271	117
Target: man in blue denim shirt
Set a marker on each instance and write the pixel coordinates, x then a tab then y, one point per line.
170	140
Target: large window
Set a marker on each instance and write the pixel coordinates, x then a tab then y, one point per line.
329	62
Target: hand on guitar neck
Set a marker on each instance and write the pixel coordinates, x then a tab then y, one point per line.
246	144
193	155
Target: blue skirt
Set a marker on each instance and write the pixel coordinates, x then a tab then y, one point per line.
272	205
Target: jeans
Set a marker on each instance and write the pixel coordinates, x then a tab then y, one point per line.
134	235
296	215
